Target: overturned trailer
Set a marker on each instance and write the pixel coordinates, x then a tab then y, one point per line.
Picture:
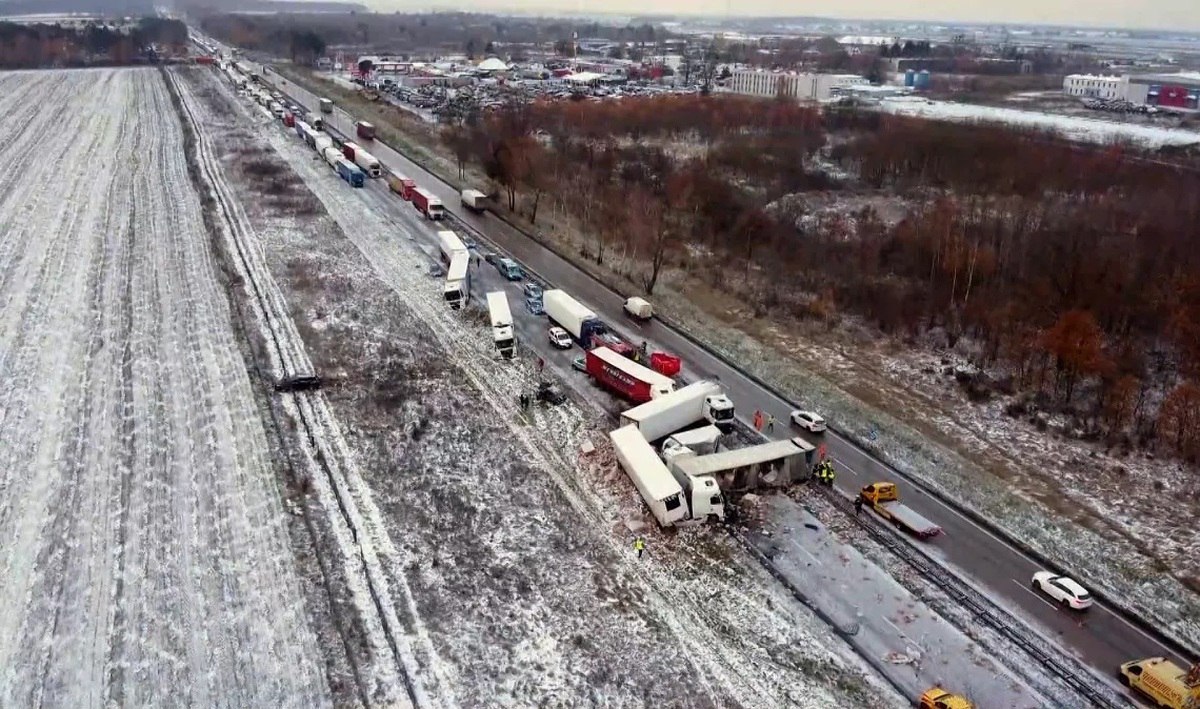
774	464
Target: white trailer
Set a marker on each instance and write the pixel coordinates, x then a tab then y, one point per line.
455	291
701	441
450	246
321	142
502	322
676	411
702	493
474	200
572	316
660	490
367	162
774	464
332	155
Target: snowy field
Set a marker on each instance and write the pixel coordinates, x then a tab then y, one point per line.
507	551
144	558
1092	130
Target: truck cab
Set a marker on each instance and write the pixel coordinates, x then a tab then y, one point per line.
701	492
1163	681
938	698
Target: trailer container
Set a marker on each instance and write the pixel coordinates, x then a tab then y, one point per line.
320	142
349	149
364	130
626	377
401	184
775	464
350	173
332	155
659	489
573	316
474	200
367	162
428	205
700	401
502	322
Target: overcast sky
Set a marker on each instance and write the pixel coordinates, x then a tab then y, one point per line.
1174	14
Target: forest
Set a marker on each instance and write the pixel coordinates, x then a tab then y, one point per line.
50	45
1068	273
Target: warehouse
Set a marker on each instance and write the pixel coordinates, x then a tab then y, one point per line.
1180	91
1094	86
811	87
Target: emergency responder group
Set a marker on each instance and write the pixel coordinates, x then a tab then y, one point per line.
823	473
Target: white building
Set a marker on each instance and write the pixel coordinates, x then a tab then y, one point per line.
802	87
1095	86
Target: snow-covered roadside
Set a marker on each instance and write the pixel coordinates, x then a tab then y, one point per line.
522	576
144	560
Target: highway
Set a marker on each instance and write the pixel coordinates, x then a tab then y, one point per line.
1100	637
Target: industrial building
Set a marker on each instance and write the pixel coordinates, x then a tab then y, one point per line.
802	87
1177	91
1093	86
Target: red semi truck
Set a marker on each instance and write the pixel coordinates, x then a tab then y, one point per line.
429	205
365	130
626	377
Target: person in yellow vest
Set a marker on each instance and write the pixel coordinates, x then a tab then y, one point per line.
639	545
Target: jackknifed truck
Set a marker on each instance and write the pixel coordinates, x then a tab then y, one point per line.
502	322
701	401
456	259
571	315
667	499
1163	681
626	377
884	498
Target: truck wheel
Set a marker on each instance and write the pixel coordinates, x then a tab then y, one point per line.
1122	678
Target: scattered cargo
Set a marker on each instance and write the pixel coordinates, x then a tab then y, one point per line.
428	205
884	498
502	322
326	105
456	259
1168	684
364	130
701	401
661	492
573	316
350	173
474	200
624	376
639	308
401	185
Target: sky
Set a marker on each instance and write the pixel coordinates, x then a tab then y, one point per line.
1154	14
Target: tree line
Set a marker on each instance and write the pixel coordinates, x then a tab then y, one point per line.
1068	272
51	45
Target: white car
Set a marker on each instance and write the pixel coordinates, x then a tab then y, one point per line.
560	339
808	421
1063	589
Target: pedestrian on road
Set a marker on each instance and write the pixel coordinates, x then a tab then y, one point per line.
770	423
639	545
858	506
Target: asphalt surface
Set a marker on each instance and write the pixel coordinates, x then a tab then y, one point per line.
1100	637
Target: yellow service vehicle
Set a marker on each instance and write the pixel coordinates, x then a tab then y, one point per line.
1168	684
938	698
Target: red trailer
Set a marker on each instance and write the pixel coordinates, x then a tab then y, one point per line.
429	205
205	59
626	377
401	185
289	120
348	150
365	130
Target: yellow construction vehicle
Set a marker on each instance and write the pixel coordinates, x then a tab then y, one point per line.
938	698
1168	684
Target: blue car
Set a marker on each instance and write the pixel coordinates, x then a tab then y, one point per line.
534	305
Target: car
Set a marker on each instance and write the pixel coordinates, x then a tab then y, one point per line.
1063	589
580	363
493	258
559	338
509	269
532	290
809	421
534	306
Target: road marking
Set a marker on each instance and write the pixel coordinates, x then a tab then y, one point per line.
796	544
902	634
1035	594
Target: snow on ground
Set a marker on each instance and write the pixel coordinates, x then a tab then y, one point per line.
1092	130
145	559
520	578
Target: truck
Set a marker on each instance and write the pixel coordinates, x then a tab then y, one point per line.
625	377
321	141
884	498
364	130
289	119
332	155
502	322
349	172
573	316
315	120
659	489
427	204
937	698
367	162
350	149
638	308
700	490
700	401
326	105
401	184
456	259
701	441
474	200
1163	681
301	128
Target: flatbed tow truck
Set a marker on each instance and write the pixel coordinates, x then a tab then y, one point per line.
884	498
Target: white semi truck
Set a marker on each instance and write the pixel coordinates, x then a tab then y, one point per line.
668	499
701	441
701	401
572	316
502	322
456	259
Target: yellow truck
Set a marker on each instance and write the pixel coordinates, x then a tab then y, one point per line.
1168	684
938	698
884	498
